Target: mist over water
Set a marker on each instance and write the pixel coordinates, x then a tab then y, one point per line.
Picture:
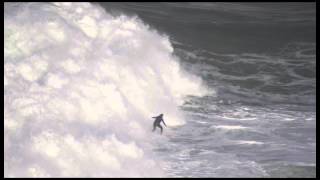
235	81
80	87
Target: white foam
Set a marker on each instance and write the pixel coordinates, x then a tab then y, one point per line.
81	87
310	119
249	142
227	127
237	116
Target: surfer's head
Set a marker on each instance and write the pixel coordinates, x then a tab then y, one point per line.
161	115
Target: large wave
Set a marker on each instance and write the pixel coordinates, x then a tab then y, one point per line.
80	86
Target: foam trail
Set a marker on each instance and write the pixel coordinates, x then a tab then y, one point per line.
230	127
80	87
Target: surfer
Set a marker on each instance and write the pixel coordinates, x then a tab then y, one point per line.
157	122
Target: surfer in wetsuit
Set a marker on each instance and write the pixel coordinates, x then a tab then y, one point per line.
157	122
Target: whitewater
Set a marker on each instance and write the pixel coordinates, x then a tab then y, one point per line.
80	88
236	83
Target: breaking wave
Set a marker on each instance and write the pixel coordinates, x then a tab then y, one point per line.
80	87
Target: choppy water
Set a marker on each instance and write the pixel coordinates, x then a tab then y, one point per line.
260	60
80	84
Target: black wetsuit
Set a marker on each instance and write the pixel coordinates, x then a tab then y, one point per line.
157	122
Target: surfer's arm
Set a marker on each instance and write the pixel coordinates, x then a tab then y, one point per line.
164	123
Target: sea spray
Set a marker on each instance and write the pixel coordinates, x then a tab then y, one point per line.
80	87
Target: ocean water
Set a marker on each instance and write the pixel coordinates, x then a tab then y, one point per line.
236	83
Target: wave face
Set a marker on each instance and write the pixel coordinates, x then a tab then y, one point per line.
80	87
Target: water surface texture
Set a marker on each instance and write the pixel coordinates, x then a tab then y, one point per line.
236	83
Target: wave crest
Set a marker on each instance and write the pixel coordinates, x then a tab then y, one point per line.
80	87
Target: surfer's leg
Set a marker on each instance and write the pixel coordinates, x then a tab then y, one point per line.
154	127
160	128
